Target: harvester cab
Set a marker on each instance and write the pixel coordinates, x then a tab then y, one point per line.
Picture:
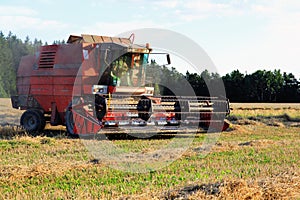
127	71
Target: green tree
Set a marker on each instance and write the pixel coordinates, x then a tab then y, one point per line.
7	74
11	51
234	85
290	88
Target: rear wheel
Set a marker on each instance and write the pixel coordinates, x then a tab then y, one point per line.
33	121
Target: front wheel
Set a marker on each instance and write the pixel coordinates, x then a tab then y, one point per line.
70	121
32	121
144	108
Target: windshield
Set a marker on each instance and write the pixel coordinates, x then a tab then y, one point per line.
127	70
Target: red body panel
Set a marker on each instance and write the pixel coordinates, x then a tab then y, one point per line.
49	77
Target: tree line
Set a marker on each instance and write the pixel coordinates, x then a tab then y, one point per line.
11	51
260	86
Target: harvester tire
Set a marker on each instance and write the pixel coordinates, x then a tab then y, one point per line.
43	121
32	121
144	107
100	107
70	121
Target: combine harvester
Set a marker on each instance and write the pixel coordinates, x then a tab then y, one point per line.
93	83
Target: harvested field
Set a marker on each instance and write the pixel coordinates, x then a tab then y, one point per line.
257	158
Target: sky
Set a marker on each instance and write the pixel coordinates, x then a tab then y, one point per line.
247	35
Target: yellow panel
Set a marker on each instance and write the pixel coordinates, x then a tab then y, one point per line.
98	39
88	39
106	39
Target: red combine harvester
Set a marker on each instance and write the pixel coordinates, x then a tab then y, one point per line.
94	82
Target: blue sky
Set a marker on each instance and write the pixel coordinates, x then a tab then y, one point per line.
237	34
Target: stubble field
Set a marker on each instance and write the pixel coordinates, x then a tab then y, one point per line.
257	158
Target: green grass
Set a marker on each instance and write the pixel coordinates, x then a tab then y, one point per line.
60	168
255	157
244	110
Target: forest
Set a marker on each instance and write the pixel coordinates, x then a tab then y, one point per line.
260	86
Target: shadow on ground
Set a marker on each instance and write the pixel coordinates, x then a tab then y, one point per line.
9	132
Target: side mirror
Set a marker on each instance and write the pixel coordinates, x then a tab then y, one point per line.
168	59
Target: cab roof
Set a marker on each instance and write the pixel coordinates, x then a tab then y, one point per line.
92	39
85	38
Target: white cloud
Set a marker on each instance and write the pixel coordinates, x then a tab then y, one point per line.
166	4
191	10
283	28
274	37
273	43
34	27
20	11
206	6
283	43
25	21
199	10
110	29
